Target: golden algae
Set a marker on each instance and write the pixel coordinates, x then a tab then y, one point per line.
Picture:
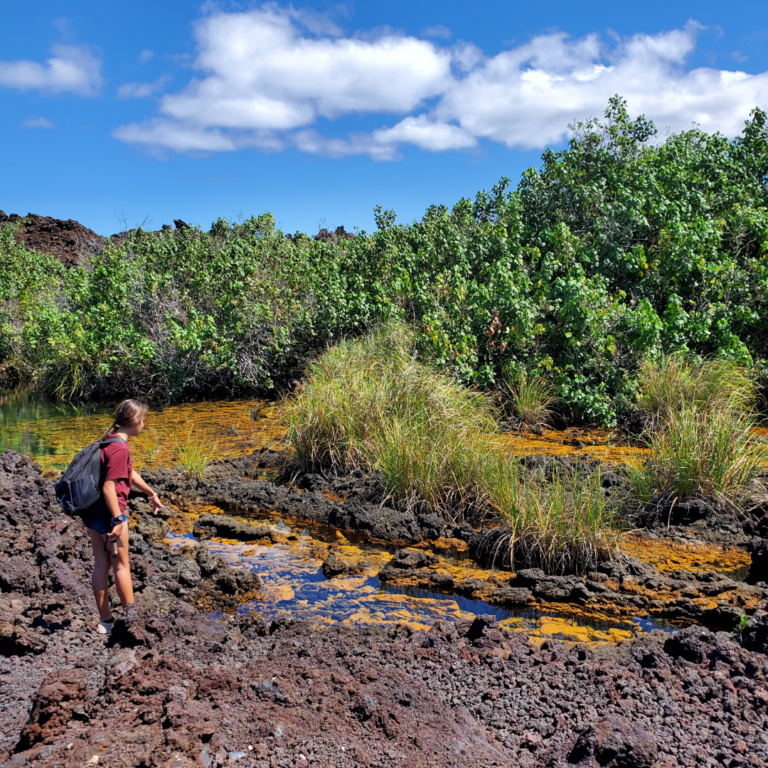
289	564
606	445
667	555
53	434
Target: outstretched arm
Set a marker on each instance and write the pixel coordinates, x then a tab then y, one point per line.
144	488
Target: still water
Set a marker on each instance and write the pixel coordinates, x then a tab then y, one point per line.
52	433
290	570
293	585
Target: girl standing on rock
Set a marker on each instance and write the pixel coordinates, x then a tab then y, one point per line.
108	523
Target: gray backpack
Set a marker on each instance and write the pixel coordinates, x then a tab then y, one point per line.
80	486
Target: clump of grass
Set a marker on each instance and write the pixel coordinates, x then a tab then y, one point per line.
362	395
562	523
679	380
371	404
701	414
532	397
194	454
699	454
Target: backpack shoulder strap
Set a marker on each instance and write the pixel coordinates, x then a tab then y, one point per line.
109	440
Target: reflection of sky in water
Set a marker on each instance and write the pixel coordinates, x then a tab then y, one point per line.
293	585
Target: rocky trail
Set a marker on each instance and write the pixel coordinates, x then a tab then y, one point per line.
184	681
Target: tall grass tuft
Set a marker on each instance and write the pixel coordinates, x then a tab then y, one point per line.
371	404
193	454
699	454
532	398
683	381
701	414
561	523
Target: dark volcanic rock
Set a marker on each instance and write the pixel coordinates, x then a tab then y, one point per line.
335	565
228	528
67	239
758	570
412	558
754	636
326	236
178	686
614	742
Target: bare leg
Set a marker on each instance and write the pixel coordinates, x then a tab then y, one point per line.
122	571
100	578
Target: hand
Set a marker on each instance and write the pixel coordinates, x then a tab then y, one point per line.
156	503
116	531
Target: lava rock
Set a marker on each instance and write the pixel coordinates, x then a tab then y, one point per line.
754	636
412	558
614	742
335	565
758	570
59	698
692	644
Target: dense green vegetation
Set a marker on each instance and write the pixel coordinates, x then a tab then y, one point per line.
615	250
370	404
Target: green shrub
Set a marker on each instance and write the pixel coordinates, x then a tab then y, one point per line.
610	252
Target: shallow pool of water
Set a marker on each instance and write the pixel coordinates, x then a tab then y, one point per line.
293	585
52	433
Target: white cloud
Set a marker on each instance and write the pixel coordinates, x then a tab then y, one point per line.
425	134
525	97
266	77
146	55
141	90
439	30
37	122
71	69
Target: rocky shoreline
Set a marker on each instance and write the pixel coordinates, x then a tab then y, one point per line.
625	588
177	685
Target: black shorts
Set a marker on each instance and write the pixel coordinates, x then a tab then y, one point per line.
98	519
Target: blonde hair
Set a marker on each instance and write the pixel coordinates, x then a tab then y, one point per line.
127	414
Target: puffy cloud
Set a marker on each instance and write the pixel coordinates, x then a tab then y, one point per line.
141	90
525	97
71	69
37	122
425	134
266	77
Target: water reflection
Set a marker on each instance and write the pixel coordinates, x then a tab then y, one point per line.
293	585
52	433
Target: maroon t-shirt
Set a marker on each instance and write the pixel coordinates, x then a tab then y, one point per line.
117	465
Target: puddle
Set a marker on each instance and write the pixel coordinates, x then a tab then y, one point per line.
293	585
52	433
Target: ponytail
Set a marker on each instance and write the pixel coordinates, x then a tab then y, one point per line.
127	414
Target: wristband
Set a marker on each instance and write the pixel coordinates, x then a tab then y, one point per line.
119	519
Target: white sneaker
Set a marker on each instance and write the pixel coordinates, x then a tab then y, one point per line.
105	627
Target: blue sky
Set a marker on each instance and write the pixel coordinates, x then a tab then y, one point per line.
114	115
